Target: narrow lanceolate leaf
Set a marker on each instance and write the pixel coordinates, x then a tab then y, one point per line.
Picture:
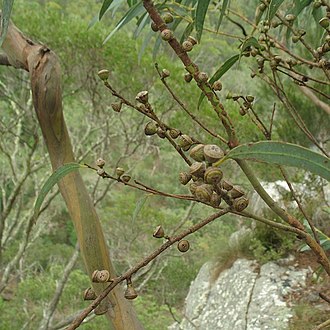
248	42
300	5
222	13
273	7
5	16
283	154
52	180
220	72
133	12
106	4
201	10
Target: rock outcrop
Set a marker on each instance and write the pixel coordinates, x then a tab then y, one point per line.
247	296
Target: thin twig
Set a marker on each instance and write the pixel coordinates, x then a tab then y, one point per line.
128	274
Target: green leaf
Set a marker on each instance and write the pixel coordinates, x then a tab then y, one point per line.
222	13
138	207
300	5
273	7
134	11
248	42
52	180
220	72
201	10
283	154
106	4
5	17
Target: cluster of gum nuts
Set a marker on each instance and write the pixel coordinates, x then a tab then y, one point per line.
206	180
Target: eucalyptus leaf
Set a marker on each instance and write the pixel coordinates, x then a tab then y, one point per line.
283	154
201	10
273	7
133	12
222	13
138	207
52	180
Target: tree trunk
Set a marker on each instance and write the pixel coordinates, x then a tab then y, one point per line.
44	69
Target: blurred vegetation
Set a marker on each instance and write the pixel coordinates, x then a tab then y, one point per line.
63	26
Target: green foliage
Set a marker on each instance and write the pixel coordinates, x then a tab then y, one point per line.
282	154
151	314
270	244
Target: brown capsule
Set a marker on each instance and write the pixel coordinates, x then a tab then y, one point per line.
150	128
187	46
193	186
197	169
130	292
226	185
185	141
103	74
213	153
240	204
242	111
154	27
161	133
184	177
125	178
168	18
188	77
167	34
100	162
89	294
202	77
165	73
102	308
250	98
217	85
197	153
215	200
203	193
183	245
142	97
101	172
213	175
324	22
236	192
192	40
100	276
116	107
120	171
159	232
290	17
174	133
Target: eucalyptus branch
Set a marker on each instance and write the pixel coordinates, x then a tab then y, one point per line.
140	186
184	108
128	274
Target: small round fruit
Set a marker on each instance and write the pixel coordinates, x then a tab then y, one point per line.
197	153
217	85
213	153
100	162
150	128
168	18
104	74
213	175
167	34
183	245
187	46
184	177
188	77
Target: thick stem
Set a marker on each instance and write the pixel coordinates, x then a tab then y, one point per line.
45	75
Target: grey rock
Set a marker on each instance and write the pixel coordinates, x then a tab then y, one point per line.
246	296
